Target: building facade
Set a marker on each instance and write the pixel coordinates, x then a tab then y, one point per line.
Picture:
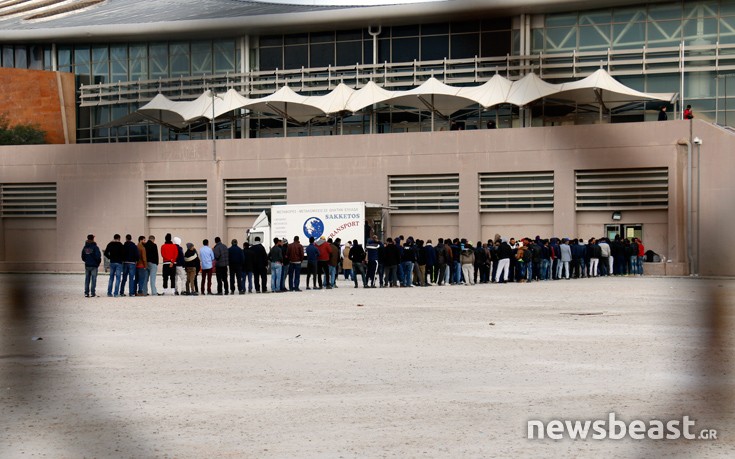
549	169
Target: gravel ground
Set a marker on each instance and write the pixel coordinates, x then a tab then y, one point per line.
444	372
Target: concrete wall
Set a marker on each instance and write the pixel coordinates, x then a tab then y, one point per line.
46	99
101	188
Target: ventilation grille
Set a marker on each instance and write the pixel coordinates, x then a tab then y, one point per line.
176	198
516	191
252	196
623	189
28	199
424	193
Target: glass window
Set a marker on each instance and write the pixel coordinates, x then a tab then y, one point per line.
81	60
21	57
405	31
727	30
201	58
138	62
271	40
561	39
696	30
464	27
296	57
636	82
350	53
118	71
662	82
706	9
322	37
598	17
538	41
297	39
594	37
158	60
404	49
727	9
495	44
435	29
561	20
497	24
629	14
434	47
63	54
631	35
664	12
47	61
664	33
321	55
36	57
179	59
8	56
100	53
224	56
118	53
465	45
271	58
349	35
367	52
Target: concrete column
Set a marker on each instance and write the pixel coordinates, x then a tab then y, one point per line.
469	205
216	201
565	214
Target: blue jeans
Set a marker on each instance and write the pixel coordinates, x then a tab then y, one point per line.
633	264
152	272
143	280
294	276
276	269
407	272
639	266
457	273
247	277
129	277
90	280
332	275
545	263
115	273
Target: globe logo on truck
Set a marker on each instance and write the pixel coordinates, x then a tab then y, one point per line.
313	227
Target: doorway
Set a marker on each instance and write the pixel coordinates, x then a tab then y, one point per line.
626	231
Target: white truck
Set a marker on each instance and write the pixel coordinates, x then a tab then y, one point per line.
344	220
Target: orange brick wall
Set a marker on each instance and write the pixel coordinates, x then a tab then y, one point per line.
37	97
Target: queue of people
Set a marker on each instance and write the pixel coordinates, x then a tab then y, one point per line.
396	262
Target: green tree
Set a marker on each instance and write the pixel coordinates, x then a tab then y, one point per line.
20	134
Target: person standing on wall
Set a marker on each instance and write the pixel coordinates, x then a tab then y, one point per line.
662	116
92	257
688	115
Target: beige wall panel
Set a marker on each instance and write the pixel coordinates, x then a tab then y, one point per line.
516	224
423	226
189	229
32	244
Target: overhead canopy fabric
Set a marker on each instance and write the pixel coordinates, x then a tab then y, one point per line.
602	88
434	95
597	89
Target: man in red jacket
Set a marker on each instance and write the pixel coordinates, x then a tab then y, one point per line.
325	251
169	253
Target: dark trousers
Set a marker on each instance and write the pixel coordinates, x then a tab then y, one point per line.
324	270
294	276
169	273
236	276
313	275
207	279
358	269
261	280
372	269
222	279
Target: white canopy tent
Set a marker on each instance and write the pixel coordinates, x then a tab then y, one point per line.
600	88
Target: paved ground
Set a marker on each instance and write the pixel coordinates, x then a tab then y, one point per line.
433	372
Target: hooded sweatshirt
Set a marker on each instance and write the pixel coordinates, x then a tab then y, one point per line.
91	254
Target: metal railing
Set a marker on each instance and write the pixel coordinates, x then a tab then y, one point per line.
558	66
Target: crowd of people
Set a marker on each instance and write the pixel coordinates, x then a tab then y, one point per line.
396	262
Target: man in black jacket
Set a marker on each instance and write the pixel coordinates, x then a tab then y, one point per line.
114	253
505	253
392	259
357	256
236	259
260	266
130	259
151	255
92	258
